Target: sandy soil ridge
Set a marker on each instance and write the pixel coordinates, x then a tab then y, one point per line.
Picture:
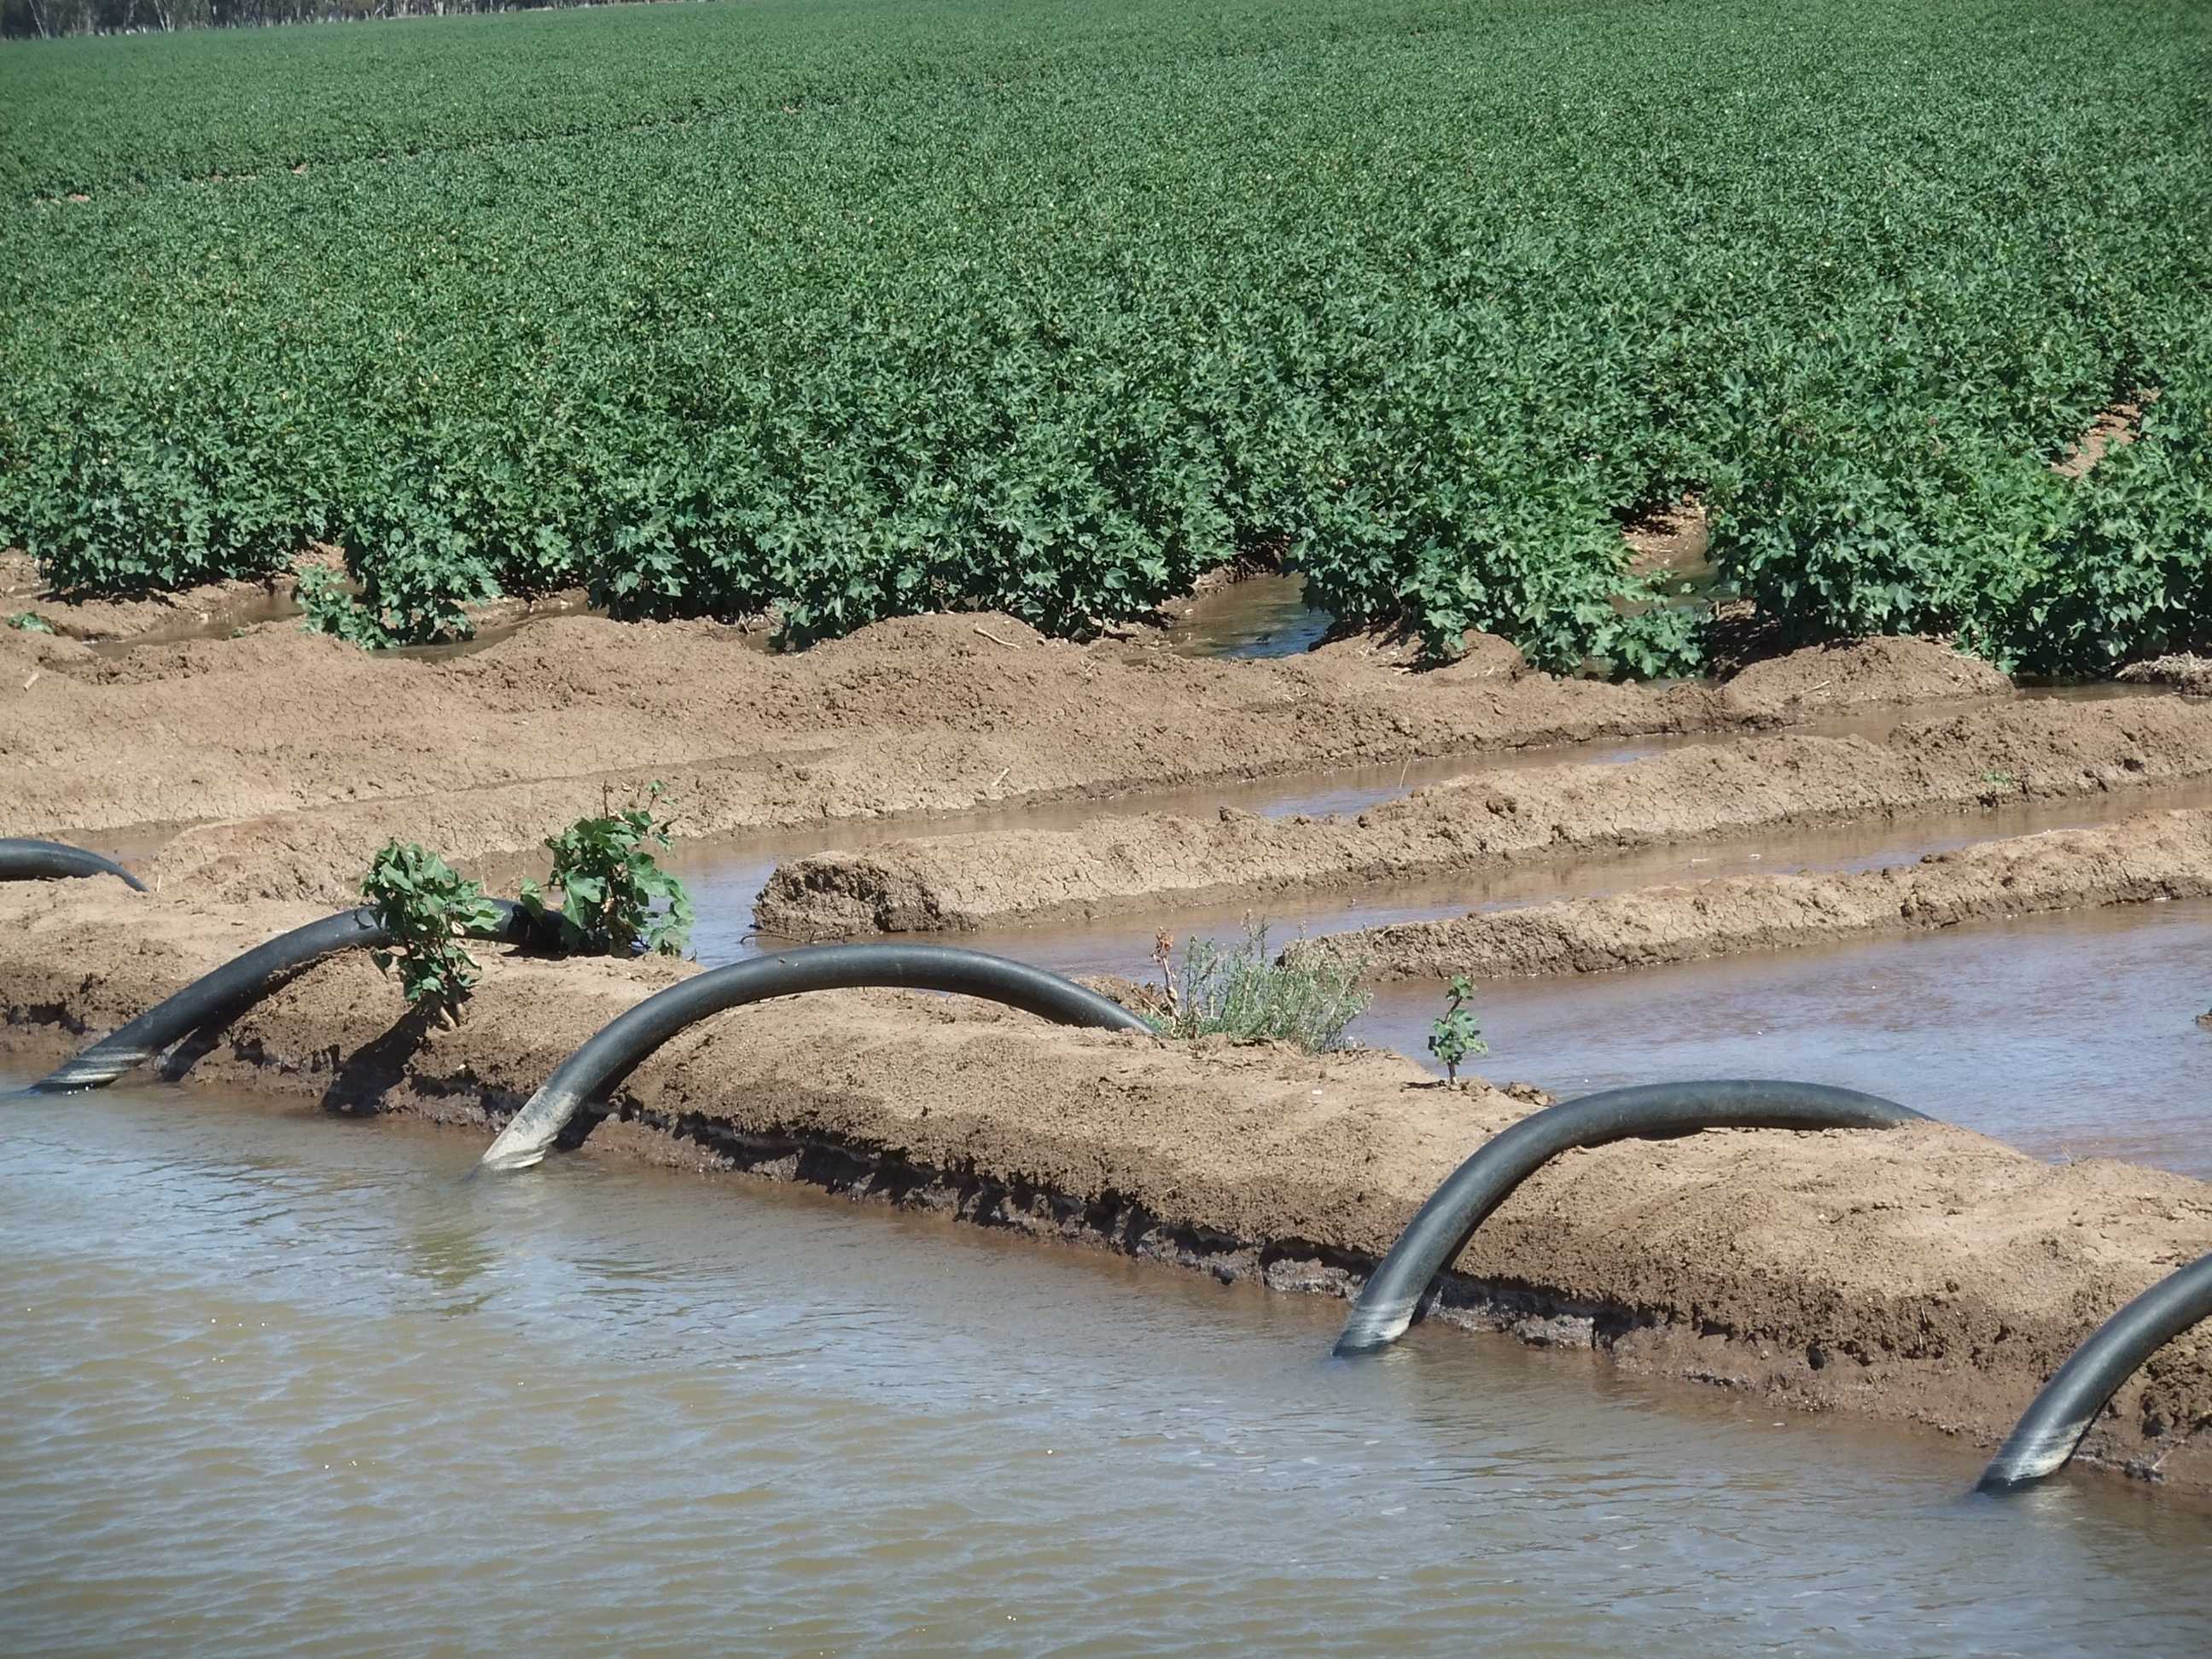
2140	859
295	756
2029	750
1926	1275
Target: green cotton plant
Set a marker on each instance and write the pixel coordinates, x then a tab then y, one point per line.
329	609
1454	1037
1237	990
428	909
1410	304
405	599
610	885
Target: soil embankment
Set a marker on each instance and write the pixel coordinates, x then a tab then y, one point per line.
2186	673
2137	861
209	608
2045	750
295	755
1926	1274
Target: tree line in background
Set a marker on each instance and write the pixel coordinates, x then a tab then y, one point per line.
23	18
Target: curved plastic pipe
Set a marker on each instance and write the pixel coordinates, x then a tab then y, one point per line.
1442	1226
618	1047
23	859
2052	1426
238	984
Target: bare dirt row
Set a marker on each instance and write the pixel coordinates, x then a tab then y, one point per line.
1986	757
292	756
1927	1275
2144	859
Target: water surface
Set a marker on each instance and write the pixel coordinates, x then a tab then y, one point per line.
2069	1036
278	1381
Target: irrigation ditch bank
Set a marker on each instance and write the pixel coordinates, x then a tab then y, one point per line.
1987	756
291	757
2144	859
1924	1274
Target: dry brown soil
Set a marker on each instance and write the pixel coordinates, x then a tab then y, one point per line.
2042	749
2140	859
295	755
1926	1275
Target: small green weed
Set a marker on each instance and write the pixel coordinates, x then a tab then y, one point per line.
428	909
31	622
1998	779
610	883
1238	990
1455	1036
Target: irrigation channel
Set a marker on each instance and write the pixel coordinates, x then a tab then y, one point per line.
2028	1030
319	1382
2068	1035
1394	1294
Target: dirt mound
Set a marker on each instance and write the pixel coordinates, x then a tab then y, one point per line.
2028	751
1823	678
302	754
1925	1274
2156	855
2186	673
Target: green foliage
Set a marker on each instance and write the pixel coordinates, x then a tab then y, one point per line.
30	622
330	609
405	602
1455	1036
1658	642
867	309
1239	990
428	909
2047	576
609	883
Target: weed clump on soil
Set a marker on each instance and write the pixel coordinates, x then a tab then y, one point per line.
30	622
428	909
609	883
1238	990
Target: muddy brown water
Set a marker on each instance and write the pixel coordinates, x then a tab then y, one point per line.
1259	615
278	1380
218	621
2069	1036
726	875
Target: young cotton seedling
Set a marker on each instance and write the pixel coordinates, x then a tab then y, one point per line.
428	909
609	882
1455	1036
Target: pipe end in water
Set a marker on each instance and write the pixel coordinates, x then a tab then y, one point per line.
1371	1330
500	1156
